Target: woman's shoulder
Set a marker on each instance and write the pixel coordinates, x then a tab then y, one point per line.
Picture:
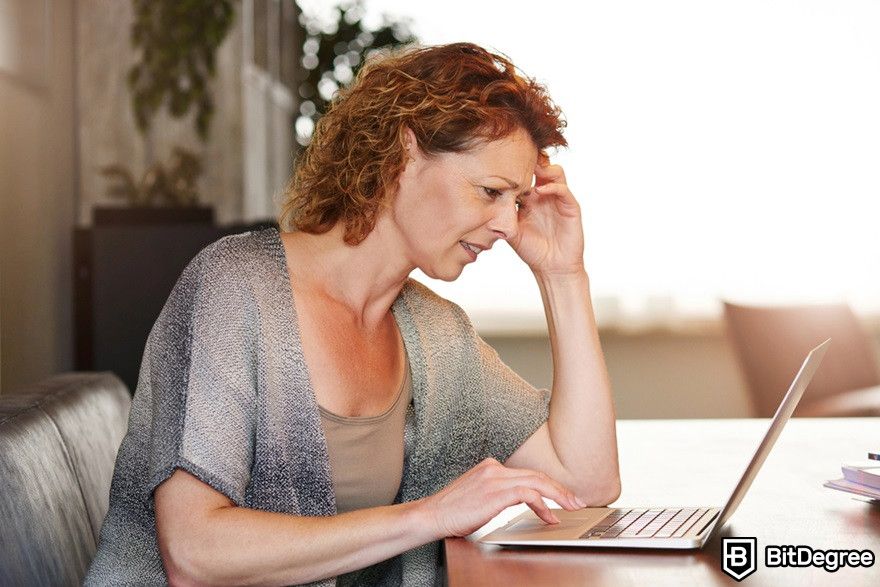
430	310
247	256
247	247
419	296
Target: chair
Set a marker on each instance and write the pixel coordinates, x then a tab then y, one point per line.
771	343
58	444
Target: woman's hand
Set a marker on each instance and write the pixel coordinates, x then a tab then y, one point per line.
550	236
482	493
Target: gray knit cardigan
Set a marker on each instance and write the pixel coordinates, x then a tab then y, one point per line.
224	393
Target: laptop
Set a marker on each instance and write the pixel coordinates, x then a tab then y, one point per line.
676	527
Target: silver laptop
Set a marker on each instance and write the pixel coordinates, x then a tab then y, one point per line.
677	527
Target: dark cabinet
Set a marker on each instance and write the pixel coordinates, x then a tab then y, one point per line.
124	272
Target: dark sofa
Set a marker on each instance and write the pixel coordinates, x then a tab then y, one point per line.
58	444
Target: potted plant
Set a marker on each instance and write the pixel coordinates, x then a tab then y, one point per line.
177	44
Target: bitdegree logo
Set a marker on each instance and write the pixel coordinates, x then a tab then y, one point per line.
804	556
738	557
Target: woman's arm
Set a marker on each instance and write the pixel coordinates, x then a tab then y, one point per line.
205	539
578	443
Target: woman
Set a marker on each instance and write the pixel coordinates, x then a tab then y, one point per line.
306	411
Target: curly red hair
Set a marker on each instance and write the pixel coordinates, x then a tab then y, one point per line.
452	97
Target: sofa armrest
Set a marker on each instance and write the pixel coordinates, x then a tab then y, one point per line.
58	443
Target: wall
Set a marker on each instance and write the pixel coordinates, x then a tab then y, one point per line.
37	171
659	375
653	375
51	152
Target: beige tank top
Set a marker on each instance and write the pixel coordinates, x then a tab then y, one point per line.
366	454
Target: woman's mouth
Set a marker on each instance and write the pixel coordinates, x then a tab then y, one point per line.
472	250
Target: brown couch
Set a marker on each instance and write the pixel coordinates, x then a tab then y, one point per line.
58	443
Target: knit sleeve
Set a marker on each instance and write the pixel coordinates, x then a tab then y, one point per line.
513	408
200	369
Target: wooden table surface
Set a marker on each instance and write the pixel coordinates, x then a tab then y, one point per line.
697	463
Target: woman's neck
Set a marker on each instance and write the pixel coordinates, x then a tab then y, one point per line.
366	278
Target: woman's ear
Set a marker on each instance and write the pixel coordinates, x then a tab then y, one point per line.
411	144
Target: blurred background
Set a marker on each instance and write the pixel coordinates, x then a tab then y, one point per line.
725	156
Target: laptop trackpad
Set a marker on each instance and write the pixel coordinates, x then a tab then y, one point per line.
528	526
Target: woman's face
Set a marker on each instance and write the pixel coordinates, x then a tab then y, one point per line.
450	203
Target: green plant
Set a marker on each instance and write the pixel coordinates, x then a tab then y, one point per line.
171	186
334	51
177	41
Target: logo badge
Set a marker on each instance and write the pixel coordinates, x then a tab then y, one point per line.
738	557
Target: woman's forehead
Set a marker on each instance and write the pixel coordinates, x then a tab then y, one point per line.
513	157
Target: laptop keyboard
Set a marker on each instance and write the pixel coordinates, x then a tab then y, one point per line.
645	523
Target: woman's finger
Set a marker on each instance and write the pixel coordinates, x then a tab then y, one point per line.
549	488
551	188
548	173
559	190
533	499
543	482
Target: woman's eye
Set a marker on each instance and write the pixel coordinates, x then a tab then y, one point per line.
492	192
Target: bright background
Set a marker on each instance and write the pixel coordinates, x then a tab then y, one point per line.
720	150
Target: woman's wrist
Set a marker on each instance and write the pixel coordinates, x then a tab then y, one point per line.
577	277
420	516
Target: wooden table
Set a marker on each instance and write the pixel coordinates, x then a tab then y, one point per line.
697	462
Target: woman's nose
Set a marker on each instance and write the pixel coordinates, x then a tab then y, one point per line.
504	223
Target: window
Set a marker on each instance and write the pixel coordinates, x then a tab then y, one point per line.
270	46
